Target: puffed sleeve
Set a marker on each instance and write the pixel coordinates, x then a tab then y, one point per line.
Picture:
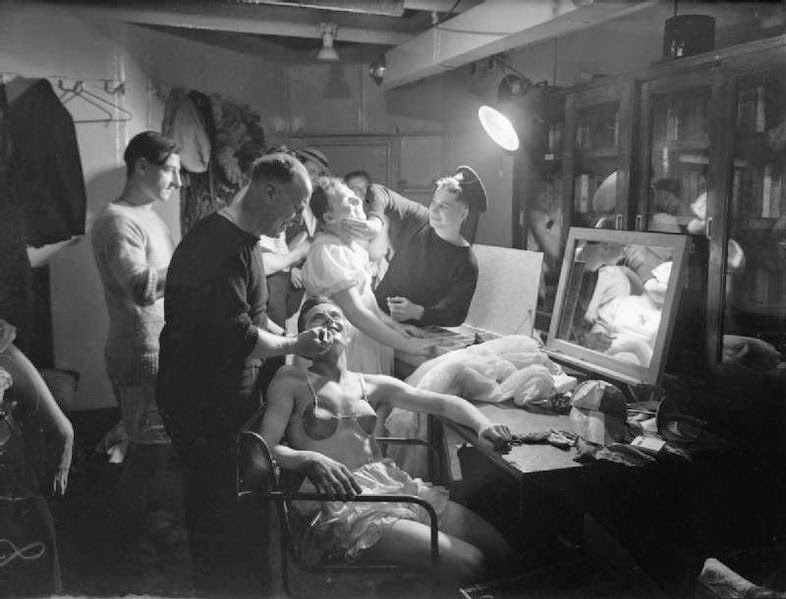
332	268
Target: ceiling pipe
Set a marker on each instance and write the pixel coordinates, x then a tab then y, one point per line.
390	8
442	6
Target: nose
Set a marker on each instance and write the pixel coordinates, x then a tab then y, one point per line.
177	181
333	321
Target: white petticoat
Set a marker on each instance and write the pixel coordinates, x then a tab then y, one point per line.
343	529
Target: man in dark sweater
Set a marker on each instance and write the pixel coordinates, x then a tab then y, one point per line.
433	272
213	344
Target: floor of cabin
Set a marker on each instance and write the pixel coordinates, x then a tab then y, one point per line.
94	564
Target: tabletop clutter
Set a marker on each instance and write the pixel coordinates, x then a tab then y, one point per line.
516	368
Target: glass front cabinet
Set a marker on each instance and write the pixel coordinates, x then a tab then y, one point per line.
697	147
673	183
747	299
694	146
597	155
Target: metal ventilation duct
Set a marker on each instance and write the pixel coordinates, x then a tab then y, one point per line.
390	8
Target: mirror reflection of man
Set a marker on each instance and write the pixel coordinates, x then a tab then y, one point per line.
212	348
610	270
433	271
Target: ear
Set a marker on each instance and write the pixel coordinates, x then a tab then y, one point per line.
141	165
270	192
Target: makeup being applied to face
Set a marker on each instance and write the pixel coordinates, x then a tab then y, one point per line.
345	204
329	319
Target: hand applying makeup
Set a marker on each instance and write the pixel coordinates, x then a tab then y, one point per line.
313	342
361	229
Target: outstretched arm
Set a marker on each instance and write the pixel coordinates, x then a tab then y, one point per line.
38	401
328	476
401	395
375	327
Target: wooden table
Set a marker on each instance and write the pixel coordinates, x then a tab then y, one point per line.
666	514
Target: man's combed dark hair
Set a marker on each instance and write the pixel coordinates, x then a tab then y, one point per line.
354	174
150	145
307	305
277	167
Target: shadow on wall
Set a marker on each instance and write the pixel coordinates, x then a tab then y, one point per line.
79	316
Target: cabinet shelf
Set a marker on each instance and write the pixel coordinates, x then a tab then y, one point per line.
691	144
596	153
758	223
756	148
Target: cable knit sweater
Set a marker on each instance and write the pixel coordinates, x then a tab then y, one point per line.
131	245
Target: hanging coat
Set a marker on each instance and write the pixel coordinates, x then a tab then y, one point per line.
45	169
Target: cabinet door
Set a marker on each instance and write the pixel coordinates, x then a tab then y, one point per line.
377	155
674	166
597	158
749	236
421	166
674	180
537	193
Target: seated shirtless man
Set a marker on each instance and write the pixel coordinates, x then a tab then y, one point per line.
327	415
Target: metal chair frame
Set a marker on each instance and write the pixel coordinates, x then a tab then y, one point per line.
262	480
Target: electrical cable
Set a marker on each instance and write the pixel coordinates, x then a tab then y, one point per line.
450	12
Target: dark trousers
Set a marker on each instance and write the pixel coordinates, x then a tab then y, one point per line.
228	539
140	487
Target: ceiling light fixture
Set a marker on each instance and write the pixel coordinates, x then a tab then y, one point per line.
377	69
327	52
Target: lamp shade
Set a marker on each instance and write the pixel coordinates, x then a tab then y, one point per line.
499	128
327	52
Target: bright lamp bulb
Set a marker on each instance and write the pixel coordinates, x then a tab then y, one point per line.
499	128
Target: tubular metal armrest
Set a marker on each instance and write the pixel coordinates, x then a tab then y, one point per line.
264	478
436	455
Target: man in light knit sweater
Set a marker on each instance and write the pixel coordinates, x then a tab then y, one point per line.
132	248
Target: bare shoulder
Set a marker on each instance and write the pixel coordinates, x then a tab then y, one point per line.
286	390
288	377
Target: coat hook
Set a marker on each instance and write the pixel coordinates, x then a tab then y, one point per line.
120	88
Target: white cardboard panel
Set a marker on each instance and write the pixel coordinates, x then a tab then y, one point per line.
507	293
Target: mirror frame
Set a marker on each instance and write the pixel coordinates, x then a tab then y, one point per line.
594	361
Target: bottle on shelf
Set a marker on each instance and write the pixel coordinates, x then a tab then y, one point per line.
759	118
582	193
616	129
672	121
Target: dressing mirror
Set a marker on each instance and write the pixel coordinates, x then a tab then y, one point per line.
616	302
